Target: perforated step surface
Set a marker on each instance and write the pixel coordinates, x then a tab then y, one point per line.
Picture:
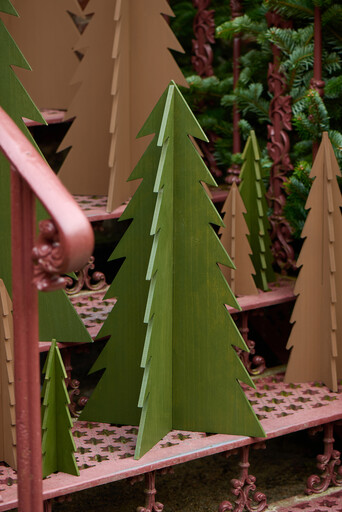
105	452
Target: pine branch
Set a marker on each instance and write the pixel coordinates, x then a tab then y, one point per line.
336	141
294	8
297	188
240	25
333	87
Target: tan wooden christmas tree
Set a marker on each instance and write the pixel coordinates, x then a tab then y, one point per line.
126	67
46	34
234	240
316	336
7	399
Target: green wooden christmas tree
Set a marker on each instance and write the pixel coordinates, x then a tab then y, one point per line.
253	192
115	399
58	446
8	449
54	61
191	374
57	316
191	370
17	103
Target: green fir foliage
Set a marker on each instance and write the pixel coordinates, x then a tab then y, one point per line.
213	104
298	188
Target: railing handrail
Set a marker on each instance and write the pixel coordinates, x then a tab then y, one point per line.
74	231
65	243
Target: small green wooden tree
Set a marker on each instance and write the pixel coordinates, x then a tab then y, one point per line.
253	193
115	399
57	317
8	449
58	445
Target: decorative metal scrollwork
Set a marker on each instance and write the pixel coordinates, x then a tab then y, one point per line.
254	364
204	30
94	282
151	505
329	463
245	489
280	113
47	255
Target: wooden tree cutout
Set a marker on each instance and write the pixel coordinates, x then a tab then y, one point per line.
191	370
253	192
57	316
47	35
127	45
7	417
316	336
58	445
17	103
195	365
234	239
115	398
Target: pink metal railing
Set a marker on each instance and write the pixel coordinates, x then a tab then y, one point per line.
65	243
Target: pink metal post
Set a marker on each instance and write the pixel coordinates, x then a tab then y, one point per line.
64	244
317	82
234	171
204	30
25	320
328	463
278	148
202	60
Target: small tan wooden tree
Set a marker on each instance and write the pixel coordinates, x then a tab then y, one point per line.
126	67
46	34
316	336
7	398
234	240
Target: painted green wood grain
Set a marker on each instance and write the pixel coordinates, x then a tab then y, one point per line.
57	316
156	390
186	304
17	103
7	7
253	194
58	445
115	398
